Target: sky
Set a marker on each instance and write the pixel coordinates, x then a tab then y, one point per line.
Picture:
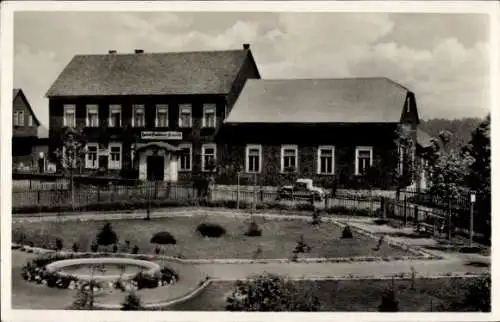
442	58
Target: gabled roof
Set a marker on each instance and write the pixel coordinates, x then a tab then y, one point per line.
347	100
202	72
18	91
423	139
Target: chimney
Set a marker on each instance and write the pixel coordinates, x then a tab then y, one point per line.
139	51
246	46
111	51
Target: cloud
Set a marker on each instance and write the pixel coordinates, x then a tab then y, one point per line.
446	69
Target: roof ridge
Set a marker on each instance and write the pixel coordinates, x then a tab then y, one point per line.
145	53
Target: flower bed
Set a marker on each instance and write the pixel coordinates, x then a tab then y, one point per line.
40	271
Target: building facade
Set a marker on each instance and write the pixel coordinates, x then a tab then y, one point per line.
28	150
339	132
151	116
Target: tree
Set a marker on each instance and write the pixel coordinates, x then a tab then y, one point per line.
132	302
271	293
107	236
479	174
70	155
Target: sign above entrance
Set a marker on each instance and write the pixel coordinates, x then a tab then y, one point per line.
166	135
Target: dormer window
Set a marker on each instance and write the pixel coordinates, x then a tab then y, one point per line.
115	116
161	116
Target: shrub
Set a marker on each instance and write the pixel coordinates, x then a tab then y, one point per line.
145	280
389	302
381	221
157	250
75	247
211	230
135	249
115	248
163	238
59	244
301	246
253	230
316	217
94	247
346	232
106	236
132	302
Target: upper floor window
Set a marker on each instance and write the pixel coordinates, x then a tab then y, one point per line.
208	156
253	158
30	120
115	116
208	115
18	118
185	157
326	160
92	116
69	116
289	156
138	118
185	115
91	156
115	156
364	159
161	116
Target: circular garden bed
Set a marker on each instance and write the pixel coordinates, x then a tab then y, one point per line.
73	271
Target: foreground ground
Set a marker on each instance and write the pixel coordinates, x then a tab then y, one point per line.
278	239
353	295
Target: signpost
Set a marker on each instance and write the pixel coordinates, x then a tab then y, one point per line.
471	228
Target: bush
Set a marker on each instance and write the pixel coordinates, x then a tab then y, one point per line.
145	280
301	246
346	232
106	236
115	248
389	302
316	217
135	249
157	250
163	238
253	230
132	302
59	244
75	247
94	247
211	230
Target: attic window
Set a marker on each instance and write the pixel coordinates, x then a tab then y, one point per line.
408	106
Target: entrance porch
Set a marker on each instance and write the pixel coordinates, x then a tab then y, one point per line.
158	161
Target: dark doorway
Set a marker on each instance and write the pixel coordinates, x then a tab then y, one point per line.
41	165
156	168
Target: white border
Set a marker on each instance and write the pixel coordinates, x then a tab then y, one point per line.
8	9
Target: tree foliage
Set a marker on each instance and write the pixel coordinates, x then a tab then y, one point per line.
70	153
132	302
271	293
107	235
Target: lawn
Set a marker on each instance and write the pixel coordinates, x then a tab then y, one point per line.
278	239
352	295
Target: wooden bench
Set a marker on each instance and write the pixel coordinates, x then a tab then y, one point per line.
426	228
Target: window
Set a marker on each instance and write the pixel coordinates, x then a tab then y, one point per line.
18	119
326	160
185	119
115	116
185	157
30	120
91	157
364	159
115	156
289	158
138	118
208	156
208	115
253	158
161	115
69	116
92	116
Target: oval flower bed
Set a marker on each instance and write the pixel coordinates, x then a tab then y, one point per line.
36	271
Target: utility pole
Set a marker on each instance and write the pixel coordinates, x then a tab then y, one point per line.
471	228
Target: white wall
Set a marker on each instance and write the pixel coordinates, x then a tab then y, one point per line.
170	166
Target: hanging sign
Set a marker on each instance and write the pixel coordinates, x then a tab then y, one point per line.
166	135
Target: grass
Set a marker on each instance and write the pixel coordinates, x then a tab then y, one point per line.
278	239
352	295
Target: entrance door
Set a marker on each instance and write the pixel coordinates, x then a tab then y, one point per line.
156	168
41	165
